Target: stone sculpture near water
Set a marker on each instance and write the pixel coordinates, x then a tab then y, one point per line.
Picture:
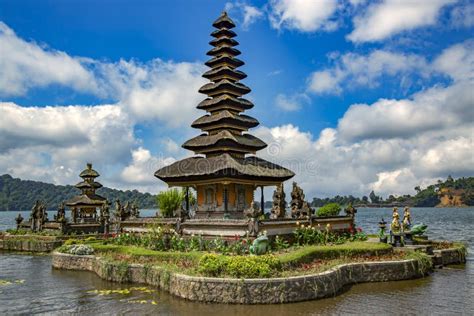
299	207
279	203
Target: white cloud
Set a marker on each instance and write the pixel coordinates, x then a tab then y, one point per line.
430	110
457	61
54	143
355	70
389	146
356	3
142	168
303	15
291	103
326	81
161	90
25	65
171	146
250	14
384	19
463	15
166	91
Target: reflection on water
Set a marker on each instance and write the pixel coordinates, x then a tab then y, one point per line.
448	291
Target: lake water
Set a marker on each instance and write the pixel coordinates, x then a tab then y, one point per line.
449	291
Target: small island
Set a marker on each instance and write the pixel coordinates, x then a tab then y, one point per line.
211	241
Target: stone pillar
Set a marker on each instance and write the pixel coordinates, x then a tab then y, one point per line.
262	201
187	199
226	199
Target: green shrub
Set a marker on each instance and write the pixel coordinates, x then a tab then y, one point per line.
90	239
169	201
238	266
71	241
425	264
280	243
211	265
330	209
247	267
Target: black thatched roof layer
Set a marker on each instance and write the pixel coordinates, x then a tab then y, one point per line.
219	50
223	100
235	88
224	138
85	200
224	61
88	185
223	21
224	40
200	168
225	117
224	71
223	32
89	172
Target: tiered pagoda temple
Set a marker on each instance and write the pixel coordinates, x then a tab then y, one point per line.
225	171
84	206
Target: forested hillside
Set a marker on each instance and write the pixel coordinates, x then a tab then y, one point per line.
452	192
17	194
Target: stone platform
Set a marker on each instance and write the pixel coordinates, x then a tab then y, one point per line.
229	228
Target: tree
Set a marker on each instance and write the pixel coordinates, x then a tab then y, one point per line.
374	198
169	201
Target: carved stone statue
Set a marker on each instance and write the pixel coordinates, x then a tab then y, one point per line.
305	210
182	213
127	212
299	207
43	216
253	212
74	214
406	223
105	217
135	212
297	198
118	210
19	219
34	215
395	225
350	210
279	203
61	214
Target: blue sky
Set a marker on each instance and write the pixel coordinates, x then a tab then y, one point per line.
356	95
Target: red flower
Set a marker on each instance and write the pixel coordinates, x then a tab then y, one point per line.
244	241
359	230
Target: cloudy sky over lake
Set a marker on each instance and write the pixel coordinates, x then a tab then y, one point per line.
352	95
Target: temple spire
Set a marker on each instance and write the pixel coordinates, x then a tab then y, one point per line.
224	127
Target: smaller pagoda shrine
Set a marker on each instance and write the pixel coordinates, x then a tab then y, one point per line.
84	206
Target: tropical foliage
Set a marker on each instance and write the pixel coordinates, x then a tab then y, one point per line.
169	201
330	209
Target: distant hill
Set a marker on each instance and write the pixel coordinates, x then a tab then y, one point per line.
449	193
17	194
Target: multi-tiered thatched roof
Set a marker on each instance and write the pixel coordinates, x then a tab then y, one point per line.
225	142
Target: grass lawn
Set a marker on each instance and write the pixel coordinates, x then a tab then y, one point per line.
299	260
